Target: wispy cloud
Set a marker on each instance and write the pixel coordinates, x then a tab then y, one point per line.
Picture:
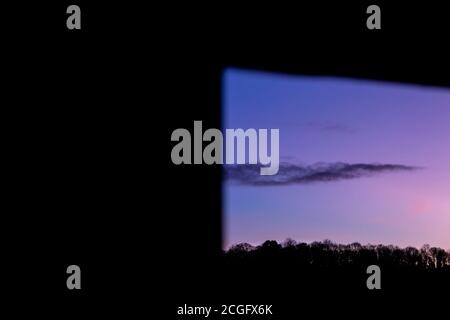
297	174
331	127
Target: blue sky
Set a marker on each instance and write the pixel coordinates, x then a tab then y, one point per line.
334	120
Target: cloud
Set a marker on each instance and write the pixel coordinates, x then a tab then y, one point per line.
289	174
331	127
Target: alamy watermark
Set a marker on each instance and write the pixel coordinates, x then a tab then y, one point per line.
250	146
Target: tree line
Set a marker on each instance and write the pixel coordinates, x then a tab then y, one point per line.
327	254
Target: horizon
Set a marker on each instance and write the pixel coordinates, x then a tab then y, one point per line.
309	242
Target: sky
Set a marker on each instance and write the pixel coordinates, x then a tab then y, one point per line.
383	148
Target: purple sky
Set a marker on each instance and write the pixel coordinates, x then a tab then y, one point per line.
333	120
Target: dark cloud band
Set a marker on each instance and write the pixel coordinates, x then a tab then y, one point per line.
297	174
